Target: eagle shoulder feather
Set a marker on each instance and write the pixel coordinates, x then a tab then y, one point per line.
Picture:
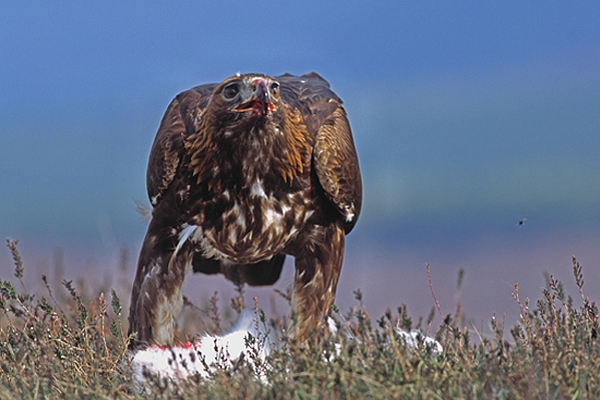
178	123
334	157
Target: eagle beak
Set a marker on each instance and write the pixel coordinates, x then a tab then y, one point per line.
259	102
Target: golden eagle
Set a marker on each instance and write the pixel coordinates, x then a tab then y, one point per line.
240	174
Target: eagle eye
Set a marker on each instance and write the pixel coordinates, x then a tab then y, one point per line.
274	90
231	91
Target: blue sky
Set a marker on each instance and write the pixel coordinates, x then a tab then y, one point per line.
468	116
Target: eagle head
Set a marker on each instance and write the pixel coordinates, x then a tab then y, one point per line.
248	126
247	96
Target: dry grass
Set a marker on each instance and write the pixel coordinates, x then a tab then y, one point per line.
75	347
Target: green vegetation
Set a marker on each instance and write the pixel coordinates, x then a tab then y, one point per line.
72	347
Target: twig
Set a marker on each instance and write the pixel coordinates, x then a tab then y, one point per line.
12	245
437	303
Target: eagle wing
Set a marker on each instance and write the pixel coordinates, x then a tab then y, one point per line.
179	122
334	157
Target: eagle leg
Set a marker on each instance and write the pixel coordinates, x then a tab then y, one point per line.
157	298
318	264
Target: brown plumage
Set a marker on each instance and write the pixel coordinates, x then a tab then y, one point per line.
242	173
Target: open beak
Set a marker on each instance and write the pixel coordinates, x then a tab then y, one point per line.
259	102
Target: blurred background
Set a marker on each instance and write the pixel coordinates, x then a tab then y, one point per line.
477	126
